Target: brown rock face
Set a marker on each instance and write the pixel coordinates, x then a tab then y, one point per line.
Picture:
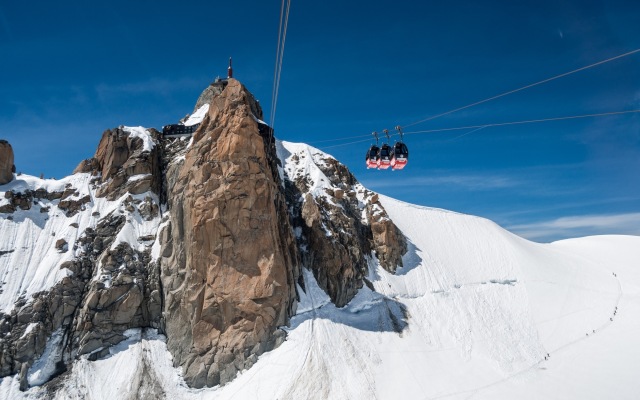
6	162
388	242
208	94
121	156
229	261
337	243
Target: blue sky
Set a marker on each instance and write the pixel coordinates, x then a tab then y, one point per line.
70	70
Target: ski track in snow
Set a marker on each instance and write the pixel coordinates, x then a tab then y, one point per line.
483	308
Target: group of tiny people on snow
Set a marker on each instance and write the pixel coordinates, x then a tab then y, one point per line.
615	311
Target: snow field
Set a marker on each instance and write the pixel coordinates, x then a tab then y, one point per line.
477	339
472	314
33	263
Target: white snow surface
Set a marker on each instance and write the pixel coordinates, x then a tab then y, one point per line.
301	161
479	309
258	120
135	226
142	133
43	368
32	262
197	116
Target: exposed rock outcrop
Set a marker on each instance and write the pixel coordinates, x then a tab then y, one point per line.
17	200
340	224
336	245
62	245
126	295
7	168
207	95
126	162
222	276
108	288
70	200
388	242
229	261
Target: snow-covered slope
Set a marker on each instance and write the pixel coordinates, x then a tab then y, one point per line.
197	116
476	312
48	229
30	262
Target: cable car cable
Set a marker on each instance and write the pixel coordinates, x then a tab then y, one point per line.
282	37
466	134
491	98
275	69
531	121
525	87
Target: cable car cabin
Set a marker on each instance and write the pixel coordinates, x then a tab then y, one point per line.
384	161
373	154
399	156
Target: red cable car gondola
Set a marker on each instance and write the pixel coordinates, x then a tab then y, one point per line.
384	161
373	154
399	153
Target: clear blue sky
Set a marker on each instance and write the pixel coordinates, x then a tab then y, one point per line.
70	70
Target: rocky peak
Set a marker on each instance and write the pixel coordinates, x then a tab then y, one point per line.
7	168
208	94
229	259
127	160
202	238
342	228
92	240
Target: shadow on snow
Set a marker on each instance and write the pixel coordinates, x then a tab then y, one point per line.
367	311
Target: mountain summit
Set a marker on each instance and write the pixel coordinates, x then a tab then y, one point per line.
201	238
211	256
228	261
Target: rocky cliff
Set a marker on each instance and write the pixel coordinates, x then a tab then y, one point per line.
201	238
127	161
229	260
91	235
342	228
6	162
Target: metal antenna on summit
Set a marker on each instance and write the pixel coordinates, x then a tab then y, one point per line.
229	70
